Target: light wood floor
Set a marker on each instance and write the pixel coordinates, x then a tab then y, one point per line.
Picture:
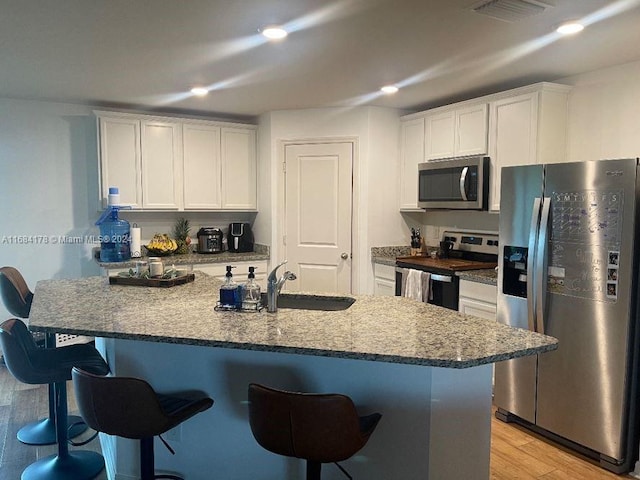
515	452
19	405
519	454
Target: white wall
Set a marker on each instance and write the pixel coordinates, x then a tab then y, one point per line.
376	132
48	188
604	113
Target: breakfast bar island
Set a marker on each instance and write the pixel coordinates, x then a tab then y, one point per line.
426	369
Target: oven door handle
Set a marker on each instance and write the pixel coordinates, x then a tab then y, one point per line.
441	278
436	277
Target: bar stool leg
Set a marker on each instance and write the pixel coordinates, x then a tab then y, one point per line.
77	465
313	470
43	432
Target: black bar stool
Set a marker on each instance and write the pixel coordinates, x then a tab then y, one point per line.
39	366
17	299
318	428
130	408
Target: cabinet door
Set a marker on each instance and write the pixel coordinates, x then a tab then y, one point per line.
384	287
161	165
239	169
471	130
469	306
411	154
440	135
202	181
120	159
513	127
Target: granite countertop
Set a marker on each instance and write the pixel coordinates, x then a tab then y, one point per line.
388	255
374	328
488	276
261	252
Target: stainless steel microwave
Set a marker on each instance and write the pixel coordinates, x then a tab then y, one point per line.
454	183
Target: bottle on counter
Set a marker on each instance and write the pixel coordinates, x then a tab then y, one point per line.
115	233
230	292
250	292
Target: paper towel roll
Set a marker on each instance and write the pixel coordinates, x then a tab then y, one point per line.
135	242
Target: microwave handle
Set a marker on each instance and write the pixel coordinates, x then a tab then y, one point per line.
463	179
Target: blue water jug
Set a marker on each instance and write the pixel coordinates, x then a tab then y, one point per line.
115	236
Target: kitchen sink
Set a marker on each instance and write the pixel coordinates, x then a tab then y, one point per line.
301	301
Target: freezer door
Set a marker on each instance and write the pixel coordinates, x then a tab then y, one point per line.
521	189
583	386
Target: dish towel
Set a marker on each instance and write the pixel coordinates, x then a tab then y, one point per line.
413	288
404	273
427	294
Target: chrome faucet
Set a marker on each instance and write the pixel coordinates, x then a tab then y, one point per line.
274	285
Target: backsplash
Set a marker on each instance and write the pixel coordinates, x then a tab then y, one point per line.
433	223
162	222
397	251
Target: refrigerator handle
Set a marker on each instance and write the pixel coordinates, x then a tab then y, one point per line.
542	264
531	264
463	180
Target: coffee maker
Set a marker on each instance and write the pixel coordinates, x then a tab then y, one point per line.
240	237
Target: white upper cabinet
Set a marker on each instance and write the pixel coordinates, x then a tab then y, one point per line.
411	154
202	167
120	143
239	176
456	132
527	128
161	165
164	163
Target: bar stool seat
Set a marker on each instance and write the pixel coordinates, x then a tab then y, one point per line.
33	365
17	299
319	428
130	408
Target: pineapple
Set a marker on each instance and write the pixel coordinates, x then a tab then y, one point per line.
181	233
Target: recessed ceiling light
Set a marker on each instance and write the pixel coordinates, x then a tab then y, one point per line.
199	91
274	33
570	28
389	89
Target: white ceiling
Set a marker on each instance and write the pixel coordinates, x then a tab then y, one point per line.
148	53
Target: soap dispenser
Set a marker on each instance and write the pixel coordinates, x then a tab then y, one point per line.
251	292
229	292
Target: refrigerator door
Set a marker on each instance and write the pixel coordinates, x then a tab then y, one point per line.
583	387
521	189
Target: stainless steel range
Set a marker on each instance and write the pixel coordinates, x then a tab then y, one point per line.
465	251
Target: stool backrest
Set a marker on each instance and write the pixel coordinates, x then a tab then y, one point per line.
122	406
18	348
318	427
15	293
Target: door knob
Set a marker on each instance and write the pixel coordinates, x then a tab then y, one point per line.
344	255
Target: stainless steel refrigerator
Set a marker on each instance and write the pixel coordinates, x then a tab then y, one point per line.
568	267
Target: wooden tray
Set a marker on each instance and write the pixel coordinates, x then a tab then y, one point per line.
152	282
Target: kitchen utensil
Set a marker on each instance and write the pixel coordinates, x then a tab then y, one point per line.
240	237
445	248
210	240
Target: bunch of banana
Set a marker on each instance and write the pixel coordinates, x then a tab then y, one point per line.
162	243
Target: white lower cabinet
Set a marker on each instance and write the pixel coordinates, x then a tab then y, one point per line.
477	299
384	280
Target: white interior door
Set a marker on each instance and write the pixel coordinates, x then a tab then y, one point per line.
318	196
